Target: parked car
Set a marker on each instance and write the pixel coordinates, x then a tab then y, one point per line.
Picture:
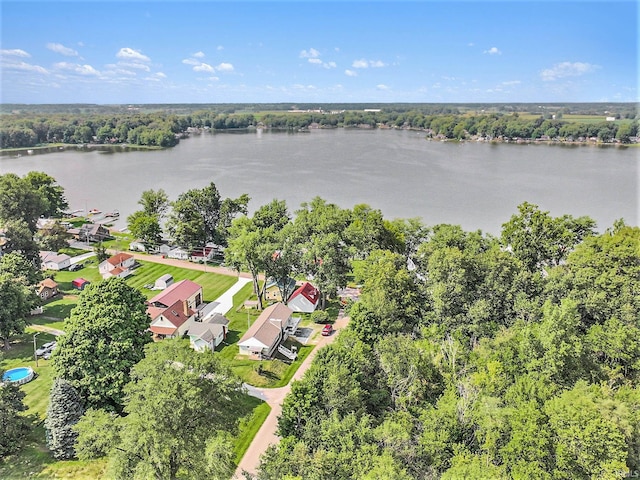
75	267
327	330
46	348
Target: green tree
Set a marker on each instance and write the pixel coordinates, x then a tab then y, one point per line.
53	237
16	301
105	336
64	411
14	426
52	193
539	240
20	239
154	202
146	227
192	440
20	268
20	201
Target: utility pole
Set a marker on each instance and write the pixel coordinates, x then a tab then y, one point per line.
34	347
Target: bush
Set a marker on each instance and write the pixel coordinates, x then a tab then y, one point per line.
320	316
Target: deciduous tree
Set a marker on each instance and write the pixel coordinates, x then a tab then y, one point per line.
104	337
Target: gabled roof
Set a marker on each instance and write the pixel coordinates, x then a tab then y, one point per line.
308	291
119	258
174	314
49	283
53	257
205	331
268	326
178	291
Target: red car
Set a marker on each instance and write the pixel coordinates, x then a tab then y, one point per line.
327	330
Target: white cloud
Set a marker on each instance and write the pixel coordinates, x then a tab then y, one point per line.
317	61
567	69
62	50
219	47
160	75
76	68
16	52
493	51
203	67
511	82
311	53
130	53
362	63
27	67
225	67
351	73
136	65
191	61
156	77
330	65
470	44
198	55
382	87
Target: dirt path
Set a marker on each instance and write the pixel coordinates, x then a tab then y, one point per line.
274	397
44	328
186	264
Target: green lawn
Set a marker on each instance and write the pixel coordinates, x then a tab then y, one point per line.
213	284
33	460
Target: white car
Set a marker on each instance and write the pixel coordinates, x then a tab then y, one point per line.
46	348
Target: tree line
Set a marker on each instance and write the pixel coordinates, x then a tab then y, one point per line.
467	354
161	129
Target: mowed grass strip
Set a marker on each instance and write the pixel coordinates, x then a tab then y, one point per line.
213	284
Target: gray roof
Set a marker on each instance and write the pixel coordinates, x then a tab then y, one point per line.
269	325
206	331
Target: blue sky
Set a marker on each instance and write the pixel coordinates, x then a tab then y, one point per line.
330	51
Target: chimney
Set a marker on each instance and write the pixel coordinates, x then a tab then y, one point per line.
185	307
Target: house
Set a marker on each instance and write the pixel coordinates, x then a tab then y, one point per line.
172	321
269	330
209	333
186	290
272	290
118	265
178	253
80	283
174	310
91	232
137	246
163	282
202	254
54	261
304	299
47	288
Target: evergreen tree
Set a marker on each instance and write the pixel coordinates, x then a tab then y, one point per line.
64	411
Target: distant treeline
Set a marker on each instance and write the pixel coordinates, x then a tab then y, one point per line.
162	129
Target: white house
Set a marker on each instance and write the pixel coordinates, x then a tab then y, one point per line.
184	290
304	299
208	334
54	261
163	282
137	246
178	253
269	330
118	265
172	321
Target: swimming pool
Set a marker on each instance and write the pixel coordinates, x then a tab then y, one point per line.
18	375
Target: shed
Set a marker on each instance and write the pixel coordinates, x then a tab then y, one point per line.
80	283
163	282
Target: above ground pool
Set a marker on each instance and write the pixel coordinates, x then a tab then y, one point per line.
18	375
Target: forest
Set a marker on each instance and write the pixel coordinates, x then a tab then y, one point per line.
154	126
467	355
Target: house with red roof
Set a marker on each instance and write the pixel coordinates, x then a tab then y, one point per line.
174	310
304	299
118	265
172	321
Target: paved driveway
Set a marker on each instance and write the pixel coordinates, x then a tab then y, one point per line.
274	397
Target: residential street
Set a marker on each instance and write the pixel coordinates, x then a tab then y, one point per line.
274	397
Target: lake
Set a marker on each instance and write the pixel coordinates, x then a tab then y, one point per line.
475	185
